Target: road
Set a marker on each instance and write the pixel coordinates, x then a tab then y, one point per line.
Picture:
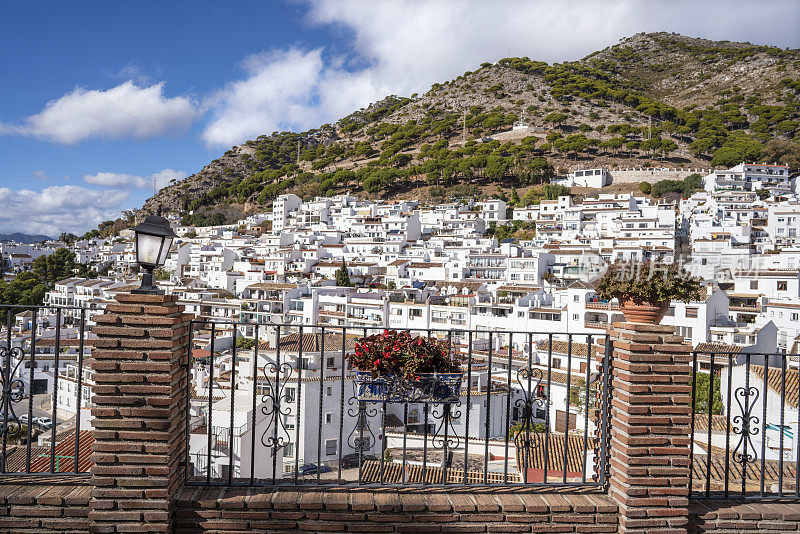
42	407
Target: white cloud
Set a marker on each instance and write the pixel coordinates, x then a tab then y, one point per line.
402	47
57	209
164	177
278	90
135	71
124	111
115	179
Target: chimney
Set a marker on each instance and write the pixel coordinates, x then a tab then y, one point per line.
272	337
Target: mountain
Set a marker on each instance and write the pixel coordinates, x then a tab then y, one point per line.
18	237
657	99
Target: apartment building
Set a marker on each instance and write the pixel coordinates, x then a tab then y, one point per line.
751	177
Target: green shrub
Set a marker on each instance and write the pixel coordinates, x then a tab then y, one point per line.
648	282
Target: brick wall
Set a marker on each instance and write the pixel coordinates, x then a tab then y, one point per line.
218	510
735	516
140	397
650	423
140	413
44	508
38	508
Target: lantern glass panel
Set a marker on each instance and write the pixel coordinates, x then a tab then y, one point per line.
165	251
147	248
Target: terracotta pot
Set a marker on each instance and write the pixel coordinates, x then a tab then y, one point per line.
645	312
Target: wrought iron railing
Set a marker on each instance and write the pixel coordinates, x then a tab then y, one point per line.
518	420
744	425
44	388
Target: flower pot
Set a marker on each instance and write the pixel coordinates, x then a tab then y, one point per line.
424	387
646	312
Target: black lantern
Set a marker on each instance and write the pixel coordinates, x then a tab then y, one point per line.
153	241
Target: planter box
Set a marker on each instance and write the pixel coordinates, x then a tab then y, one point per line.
427	387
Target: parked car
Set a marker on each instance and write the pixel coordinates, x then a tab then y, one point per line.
311	469
23	419
351	460
43	422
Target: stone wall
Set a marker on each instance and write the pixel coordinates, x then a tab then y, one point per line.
634	176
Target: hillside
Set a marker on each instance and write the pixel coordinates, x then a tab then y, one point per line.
18	237
651	100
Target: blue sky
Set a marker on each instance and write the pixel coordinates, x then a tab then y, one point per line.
100	98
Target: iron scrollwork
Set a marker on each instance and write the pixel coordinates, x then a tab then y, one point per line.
529	381
745	424
445	436
277	405
361	437
13	390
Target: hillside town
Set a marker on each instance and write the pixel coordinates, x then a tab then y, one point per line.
303	281
400	267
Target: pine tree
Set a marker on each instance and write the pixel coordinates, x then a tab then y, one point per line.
343	276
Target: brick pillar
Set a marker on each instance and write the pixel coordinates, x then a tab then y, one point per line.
650	428
140	422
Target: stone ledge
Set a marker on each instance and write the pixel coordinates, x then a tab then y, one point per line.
393	510
44	508
743	516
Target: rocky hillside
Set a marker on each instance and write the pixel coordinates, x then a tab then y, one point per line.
651	100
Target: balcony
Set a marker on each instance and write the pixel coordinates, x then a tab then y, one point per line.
746	308
598	305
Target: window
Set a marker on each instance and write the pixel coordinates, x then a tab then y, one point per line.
414	312
398	311
330	362
288	450
329	391
753	284
576	298
328	418
575	316
331	447
557	363
684	331
691	312
289	395
783	285
290	423
794	317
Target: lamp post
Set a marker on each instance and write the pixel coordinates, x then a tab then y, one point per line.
153	241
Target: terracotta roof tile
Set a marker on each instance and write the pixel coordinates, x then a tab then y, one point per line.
775	382
415	474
